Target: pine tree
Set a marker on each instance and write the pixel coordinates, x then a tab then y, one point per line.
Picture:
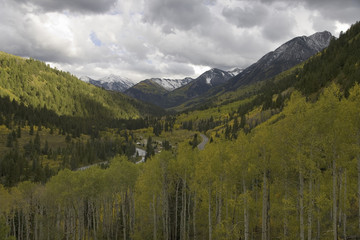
31	132
18	133
37	143
149	149
10	139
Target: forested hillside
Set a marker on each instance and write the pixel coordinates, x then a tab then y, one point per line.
35	84
292	177
283	162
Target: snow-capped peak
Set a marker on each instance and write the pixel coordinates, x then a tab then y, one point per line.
111	82
171	84
115	78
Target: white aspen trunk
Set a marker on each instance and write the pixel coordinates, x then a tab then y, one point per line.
358	190
13	224
344	206
318	215
264	209
209	214
133	218
301	204
310	209
286	220
340	191
183	215
66	223
94	219
194	216
246	213
88	229
268	210
123	214
227	214
220	206
154	218
188	217
27	226
97	210
117	212
18	227
176	209
166	214
73	224
216	206
334	192
36	224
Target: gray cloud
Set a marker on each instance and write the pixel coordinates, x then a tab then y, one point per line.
82	6
345	11
169	14
245	17
278	27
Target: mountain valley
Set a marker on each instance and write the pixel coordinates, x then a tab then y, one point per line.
269	151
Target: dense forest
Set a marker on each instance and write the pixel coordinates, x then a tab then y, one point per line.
292	177
282	164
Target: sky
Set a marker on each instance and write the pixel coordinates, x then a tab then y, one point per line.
140	39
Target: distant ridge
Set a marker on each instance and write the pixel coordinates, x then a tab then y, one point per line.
111	82
283	58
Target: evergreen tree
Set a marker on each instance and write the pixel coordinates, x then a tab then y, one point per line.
149	149
31	132
18	133
10	140
37	143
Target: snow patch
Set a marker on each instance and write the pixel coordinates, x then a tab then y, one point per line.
235	71
111	82
208	80
171	84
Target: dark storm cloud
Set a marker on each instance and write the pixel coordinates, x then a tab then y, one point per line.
82	6
245	17
171	14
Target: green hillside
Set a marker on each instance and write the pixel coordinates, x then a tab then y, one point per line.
35	84
148	91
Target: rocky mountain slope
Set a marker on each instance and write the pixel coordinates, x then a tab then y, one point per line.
216	81
283	58
171	92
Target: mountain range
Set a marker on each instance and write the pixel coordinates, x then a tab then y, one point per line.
216	81
158	91
189	92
